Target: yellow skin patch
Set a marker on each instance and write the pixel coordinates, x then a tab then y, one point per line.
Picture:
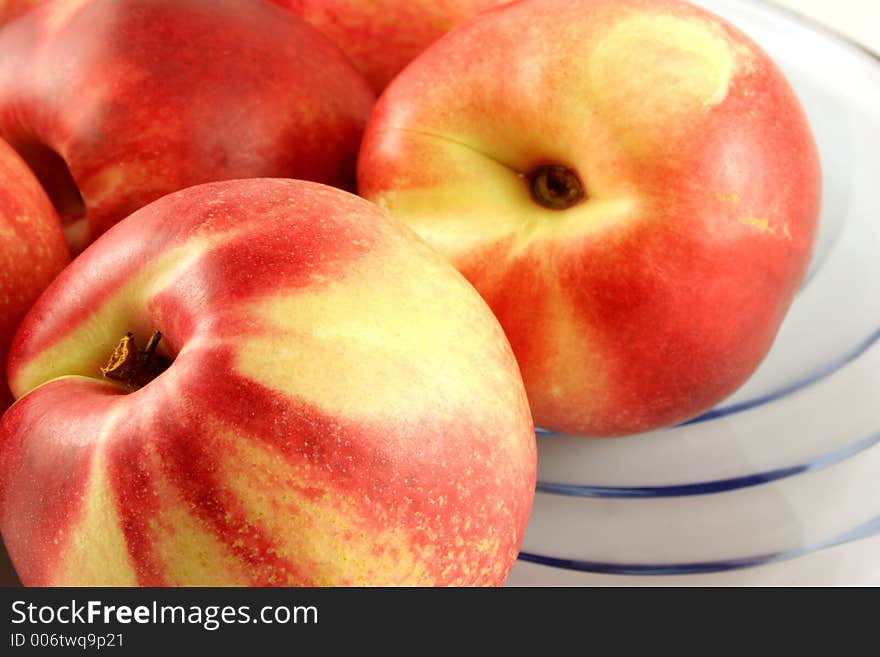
426	333
455	203
308	530
455	215
571	350
732	199
658	73
85	349
105	183
762	224
96	548
758	222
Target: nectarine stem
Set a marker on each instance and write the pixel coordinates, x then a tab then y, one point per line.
556	187
135	367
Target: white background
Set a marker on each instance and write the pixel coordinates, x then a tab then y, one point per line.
857	19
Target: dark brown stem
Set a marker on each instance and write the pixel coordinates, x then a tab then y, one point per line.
136	367
556	187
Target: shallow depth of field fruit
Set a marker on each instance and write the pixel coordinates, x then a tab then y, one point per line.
382	37
115	103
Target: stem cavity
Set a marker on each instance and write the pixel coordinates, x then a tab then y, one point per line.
136	367
556	187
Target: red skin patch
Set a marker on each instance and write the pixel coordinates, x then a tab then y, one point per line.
12	9
381	39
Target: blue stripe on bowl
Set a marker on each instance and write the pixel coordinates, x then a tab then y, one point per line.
811	379
710	487
861	532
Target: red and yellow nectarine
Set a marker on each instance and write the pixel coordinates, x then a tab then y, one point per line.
340	407
632	185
